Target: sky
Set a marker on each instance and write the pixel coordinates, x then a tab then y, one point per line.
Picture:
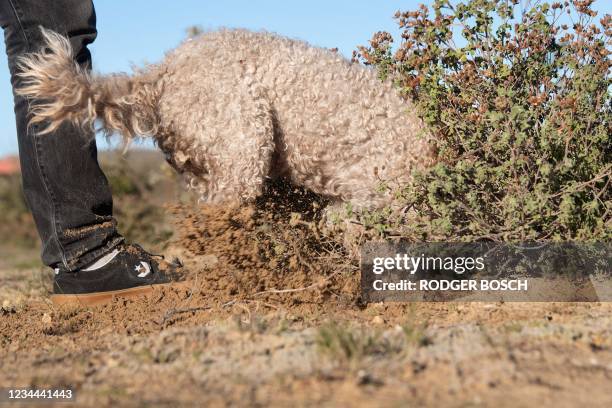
132	32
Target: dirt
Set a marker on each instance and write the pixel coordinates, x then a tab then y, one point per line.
270	314
78	232
264	252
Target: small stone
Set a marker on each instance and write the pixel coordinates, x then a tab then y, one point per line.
112	363
378	320
209	260
46	319
364	378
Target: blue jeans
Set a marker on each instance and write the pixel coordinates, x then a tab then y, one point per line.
64	187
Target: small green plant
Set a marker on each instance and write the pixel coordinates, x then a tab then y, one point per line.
350	345
517	98
415	335
345	344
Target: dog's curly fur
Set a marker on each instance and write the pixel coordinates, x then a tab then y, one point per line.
233	107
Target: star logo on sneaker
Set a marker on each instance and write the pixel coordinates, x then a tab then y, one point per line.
139	268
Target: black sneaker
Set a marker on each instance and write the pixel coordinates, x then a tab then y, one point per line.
131	272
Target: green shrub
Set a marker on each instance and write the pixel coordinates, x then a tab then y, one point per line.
518	100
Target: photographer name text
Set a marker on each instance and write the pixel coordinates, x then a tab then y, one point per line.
452	285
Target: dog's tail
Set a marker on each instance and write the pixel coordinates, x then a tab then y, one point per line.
59	90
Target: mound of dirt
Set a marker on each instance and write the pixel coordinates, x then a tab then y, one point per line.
270	249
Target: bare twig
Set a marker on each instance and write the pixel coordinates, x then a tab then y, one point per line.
313	286
602	174
230	303
172	312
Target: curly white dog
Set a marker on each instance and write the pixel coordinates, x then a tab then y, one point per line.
233	107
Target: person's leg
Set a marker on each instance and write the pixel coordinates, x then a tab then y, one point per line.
64	186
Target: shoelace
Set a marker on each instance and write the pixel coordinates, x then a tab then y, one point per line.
176	262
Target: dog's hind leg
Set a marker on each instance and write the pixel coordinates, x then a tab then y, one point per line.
241	157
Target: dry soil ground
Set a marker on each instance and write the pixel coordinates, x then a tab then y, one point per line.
270	315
